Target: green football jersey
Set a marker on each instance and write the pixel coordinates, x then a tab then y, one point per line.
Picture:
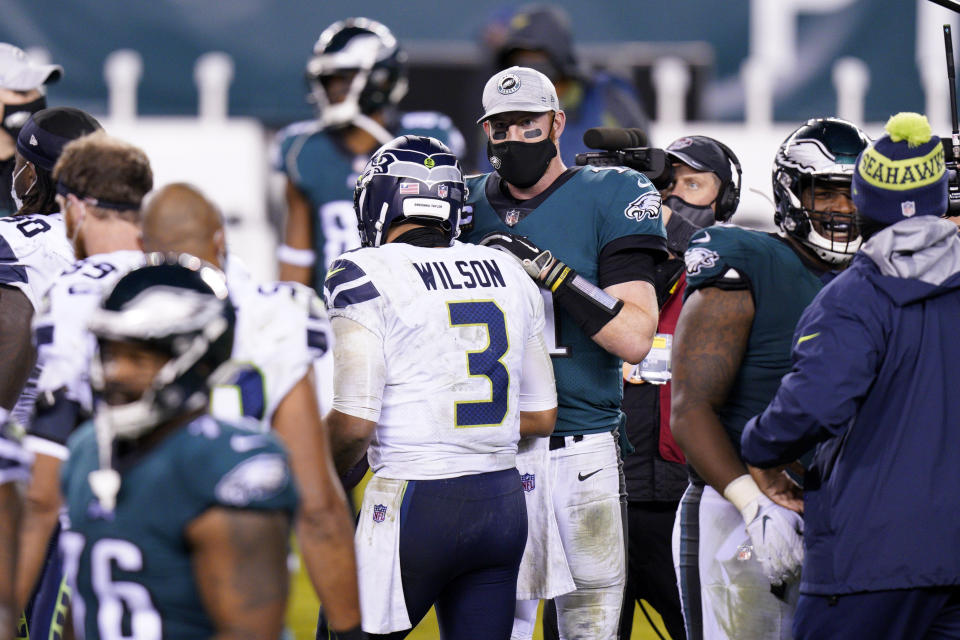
131	567
326	173
585	210
781	285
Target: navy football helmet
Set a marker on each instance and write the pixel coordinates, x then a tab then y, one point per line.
822	152
176	305
363	55
411	178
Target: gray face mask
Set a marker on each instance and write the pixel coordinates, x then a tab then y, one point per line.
701	216
17	200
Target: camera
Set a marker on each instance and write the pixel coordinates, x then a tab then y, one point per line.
627	148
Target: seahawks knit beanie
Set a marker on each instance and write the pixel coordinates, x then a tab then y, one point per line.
47	132
902	173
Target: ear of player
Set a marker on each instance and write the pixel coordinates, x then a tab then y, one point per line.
591	307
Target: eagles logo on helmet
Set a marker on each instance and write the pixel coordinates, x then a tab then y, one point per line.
175	306
364	54
822	152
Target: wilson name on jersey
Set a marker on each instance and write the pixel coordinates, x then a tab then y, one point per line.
453	323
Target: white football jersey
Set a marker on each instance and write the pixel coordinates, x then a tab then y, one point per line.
64	346
281	328
453	325
33	251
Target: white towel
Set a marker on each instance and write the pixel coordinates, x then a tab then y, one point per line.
544	572
383	607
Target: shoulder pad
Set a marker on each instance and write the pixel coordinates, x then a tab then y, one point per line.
346	284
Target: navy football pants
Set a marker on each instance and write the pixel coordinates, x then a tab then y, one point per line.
904	614
461	540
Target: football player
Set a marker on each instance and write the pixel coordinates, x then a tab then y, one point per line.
282	329
177	522
441	368
580	226
745	293
100	182
357	75
33	248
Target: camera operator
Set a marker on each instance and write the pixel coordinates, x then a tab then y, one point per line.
656	475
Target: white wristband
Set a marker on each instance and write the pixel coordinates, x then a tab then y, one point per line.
296	257
743	493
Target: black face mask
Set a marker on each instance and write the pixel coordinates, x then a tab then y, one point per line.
16	115
697	215
521	164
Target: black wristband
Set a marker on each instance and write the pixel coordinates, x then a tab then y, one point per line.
590	306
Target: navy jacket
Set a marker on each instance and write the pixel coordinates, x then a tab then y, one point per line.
874	387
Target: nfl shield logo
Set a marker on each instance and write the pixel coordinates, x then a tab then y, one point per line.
528	480
512	217
908	208
442	191
379	512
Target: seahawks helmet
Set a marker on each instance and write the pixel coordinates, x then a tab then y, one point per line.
176	305
366	54
822	152
411	178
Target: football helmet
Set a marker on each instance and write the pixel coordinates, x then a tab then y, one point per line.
411	178
365	56
177	305
821	153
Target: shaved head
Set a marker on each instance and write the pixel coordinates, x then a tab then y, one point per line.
179	218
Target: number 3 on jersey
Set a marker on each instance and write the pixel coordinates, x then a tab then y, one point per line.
487	363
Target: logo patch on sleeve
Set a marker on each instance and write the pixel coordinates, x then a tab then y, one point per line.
699	258
258	478
646	206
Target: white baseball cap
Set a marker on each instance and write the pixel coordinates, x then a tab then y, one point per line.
18	73
518	89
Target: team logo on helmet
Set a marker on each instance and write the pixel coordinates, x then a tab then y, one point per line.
646	206
508	84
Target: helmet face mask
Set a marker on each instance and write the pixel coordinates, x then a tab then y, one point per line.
362	60
174	318
812	174
410	179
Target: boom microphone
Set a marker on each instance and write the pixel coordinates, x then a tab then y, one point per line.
612	138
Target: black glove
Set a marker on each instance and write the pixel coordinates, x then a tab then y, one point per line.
539	263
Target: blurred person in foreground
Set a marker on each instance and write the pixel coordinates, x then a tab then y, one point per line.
703	189
22	93
871	389
539	37
177	523
282	330
357	76
571	228
441	370
738	553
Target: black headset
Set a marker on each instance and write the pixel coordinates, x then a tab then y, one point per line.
729	196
